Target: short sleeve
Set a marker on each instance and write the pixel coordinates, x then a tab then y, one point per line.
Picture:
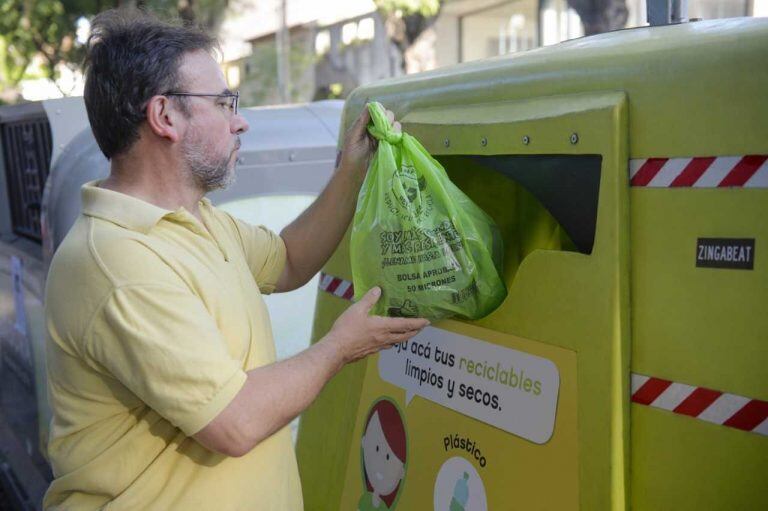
265	253
163	345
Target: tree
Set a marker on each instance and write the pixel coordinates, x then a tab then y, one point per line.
31	28
46	29
206	13
407	22
599	16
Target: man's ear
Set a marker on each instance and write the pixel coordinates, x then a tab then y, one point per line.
163	118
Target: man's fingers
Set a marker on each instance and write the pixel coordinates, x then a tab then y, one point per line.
370	298
365	117
361	124
404	324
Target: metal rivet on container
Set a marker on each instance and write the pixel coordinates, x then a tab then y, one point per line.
483	141
58	111
526	140
447	142
574	138
291	156
240	160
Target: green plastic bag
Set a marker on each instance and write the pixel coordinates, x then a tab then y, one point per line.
433	251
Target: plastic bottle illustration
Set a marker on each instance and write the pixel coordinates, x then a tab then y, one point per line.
460	494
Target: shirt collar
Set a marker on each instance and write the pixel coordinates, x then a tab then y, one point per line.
121	209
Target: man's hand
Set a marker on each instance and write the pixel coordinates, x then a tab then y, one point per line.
356	334
359	146
274	394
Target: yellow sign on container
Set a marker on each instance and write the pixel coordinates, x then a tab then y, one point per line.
477	376
628	174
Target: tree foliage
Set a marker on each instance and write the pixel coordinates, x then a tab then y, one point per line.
31	28
206	13
47	29
426	8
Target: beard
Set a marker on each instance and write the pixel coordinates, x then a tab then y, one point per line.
208	170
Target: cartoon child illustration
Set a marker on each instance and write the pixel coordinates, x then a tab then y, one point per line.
384	454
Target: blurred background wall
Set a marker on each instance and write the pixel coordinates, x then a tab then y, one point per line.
284	51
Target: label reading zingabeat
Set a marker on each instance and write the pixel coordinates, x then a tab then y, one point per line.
732	253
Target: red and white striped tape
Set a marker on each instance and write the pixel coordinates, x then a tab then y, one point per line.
709	405
336	286
706	404
711	172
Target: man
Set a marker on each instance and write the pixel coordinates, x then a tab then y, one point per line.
162	374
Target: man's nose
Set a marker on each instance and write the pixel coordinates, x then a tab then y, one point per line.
238	124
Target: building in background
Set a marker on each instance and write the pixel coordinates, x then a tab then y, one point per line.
333	47
476	29
336	45
278	51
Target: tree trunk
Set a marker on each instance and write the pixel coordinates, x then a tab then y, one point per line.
600	16
406	33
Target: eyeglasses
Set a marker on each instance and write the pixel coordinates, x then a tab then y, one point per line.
234	98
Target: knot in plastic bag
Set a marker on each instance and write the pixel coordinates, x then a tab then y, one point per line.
382	129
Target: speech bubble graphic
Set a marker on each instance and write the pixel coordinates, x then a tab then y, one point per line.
506	388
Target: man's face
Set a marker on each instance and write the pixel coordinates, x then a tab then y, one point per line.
210	143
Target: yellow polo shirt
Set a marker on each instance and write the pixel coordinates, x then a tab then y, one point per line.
153	319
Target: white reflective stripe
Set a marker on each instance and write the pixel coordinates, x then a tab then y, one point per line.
326	281
638	380
673	396
669	172
760	178
342	288
762	428
634	166
717	171
723	408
